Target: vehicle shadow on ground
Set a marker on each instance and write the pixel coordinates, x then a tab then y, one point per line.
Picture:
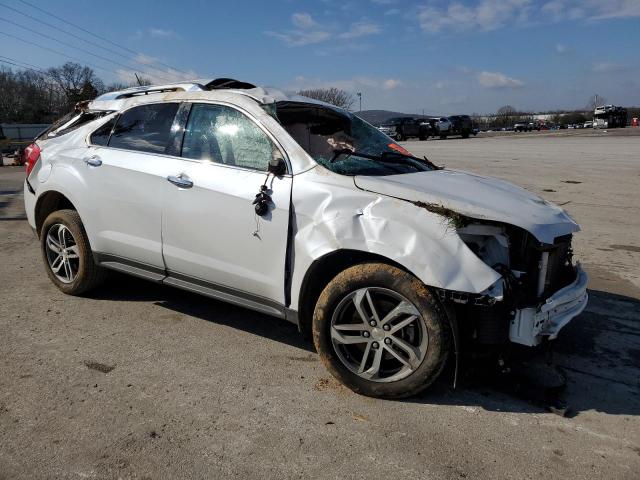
599	352
11	205
126	288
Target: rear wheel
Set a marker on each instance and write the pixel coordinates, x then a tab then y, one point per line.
380	332
399	137
67	254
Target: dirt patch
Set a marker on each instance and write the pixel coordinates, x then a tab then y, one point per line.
325	384
100	367
456	219
626	248
573	182
307	358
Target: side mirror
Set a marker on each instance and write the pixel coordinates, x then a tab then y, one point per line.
277	166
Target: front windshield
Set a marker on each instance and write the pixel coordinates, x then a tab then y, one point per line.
344	143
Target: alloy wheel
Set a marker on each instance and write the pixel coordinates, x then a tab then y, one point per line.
378	334
62	252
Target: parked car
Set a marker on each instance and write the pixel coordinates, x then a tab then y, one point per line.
588	124
401	128
523	126
461	125
441	127
301	210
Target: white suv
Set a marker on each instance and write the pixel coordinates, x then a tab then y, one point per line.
303	211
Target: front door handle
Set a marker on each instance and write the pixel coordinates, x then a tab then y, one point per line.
180	181
93	160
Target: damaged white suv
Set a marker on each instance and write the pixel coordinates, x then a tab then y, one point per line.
303	211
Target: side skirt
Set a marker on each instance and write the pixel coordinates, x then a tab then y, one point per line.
202	287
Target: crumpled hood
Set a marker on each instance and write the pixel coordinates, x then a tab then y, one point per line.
477	197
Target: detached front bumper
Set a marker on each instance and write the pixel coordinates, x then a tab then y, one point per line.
530	325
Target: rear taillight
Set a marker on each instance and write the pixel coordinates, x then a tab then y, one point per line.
31	154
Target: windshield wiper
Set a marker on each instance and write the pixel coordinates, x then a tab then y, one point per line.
384	157
424	160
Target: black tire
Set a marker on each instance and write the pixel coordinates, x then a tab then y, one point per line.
443	137
399	137
89	275
465	135
433	316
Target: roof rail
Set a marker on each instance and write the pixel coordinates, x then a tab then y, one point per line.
147	89
190	86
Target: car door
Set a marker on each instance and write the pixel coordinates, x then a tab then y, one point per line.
125	170
212	237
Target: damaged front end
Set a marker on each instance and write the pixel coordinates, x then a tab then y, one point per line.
539	292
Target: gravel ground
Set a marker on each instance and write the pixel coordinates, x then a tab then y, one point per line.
143	381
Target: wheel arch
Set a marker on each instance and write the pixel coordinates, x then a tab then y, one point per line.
322	271
50	201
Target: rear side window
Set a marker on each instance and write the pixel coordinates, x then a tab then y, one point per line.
146	128
221	134
101	135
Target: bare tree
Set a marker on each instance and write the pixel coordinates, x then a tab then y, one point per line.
332	95
77	82
595	101
506	111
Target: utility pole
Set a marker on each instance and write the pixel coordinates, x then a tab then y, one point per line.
138	79
359	94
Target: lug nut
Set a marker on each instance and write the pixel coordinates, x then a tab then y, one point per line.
375	345
387	341
365	334
372	323
386	327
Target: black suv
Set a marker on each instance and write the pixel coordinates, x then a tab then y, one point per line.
401	128
461	125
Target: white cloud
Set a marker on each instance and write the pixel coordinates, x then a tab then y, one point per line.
390	84
616	9
486	15
154	71
308	31
607	67
350	85
497	80
360	29
162	33
303	20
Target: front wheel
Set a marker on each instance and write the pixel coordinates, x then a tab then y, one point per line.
398	137
380	331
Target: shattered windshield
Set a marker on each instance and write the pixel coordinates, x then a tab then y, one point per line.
345	144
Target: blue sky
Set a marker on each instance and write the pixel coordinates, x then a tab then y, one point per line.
432	55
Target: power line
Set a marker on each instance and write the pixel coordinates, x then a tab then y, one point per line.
29	66
37	70
82	49
57	52
93	34
50	25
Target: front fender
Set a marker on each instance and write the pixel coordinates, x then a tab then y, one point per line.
331	214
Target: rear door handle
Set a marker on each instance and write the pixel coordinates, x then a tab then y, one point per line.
180	181
93	160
